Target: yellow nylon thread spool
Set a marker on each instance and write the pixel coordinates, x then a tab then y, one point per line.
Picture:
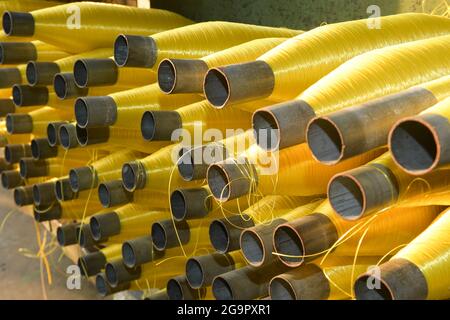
331	137
17	52
381	184
383	232
127	106
430	253
331	279
404	65
48	52
372	236
155	173
37	120
331	45
138	225
104	72
193	41
13	75
50	25
186	76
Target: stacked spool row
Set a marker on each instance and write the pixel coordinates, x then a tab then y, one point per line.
344	172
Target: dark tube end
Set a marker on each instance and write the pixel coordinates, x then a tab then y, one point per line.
83	178
25	95
195	274
104	225
17	52
282	125
325	141
238	83
41	149
347	197
303	239
7	106
23	196
193	162
281	289
41	73
138	251
92	263
397	279
117	273
44	193
168	234
307	282
11	179
420	144
257	243
19	123
253	247
362	191
201	270
181	75
112	193
135	51
67	135
63	191
193	203
19	24
85	238
95	72
15	152
178	289
103	287
224	233
31	168
90	136
67	234
230	180
53	133
65	86
160	125
134	176
9	77
221	289
95	111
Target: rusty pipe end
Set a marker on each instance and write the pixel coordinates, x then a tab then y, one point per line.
181	75
398	279
362	191
135	51
112	193
238	83
194	203
282	125
420	144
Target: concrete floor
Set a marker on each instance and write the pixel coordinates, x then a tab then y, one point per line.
20	276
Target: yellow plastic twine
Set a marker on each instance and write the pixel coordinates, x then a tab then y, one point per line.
201	39
51	24
431	254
